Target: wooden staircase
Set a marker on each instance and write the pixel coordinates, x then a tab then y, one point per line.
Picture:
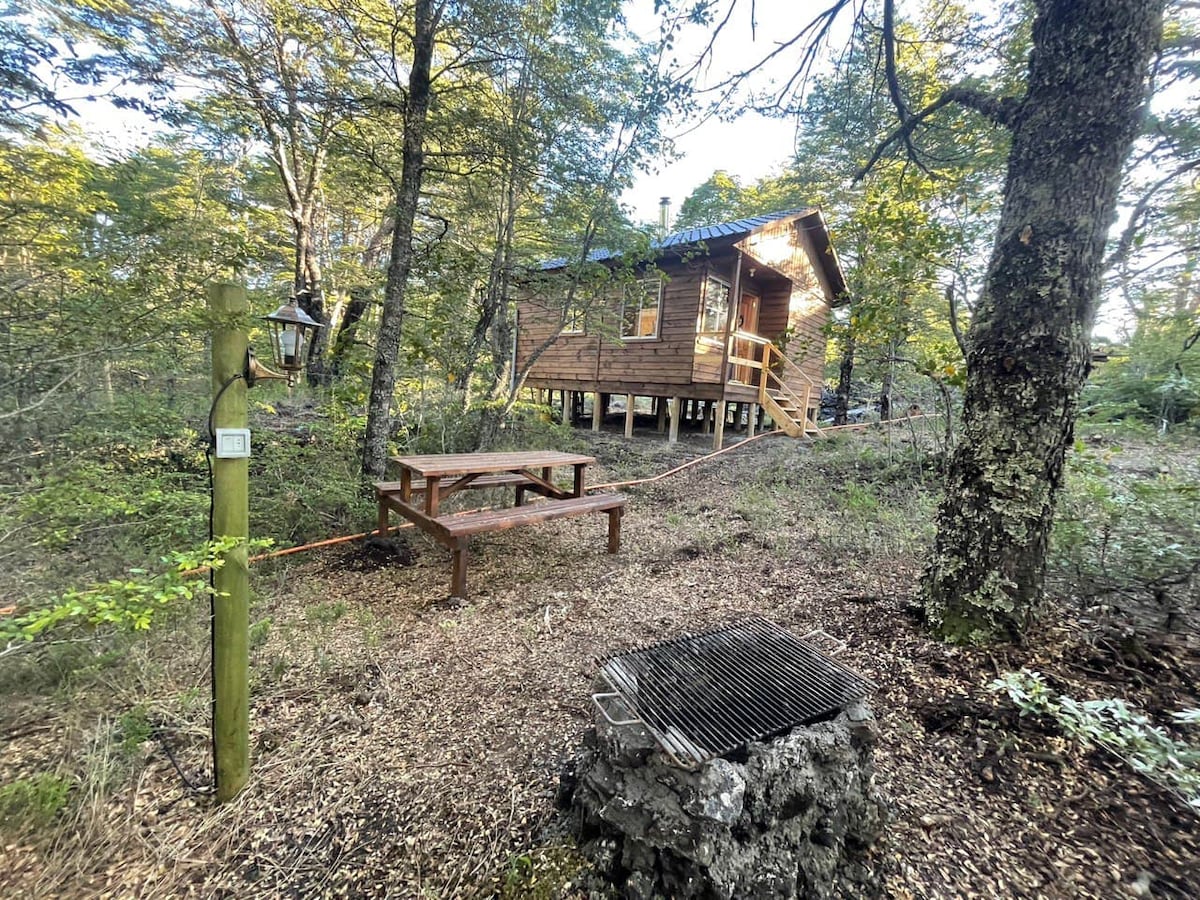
785	413
784	390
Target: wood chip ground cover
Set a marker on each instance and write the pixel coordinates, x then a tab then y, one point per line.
405	746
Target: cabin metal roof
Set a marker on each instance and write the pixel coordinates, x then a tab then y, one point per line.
736	228
825	258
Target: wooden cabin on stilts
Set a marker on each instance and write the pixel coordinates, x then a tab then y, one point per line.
724	325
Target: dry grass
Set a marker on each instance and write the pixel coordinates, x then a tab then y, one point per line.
406	747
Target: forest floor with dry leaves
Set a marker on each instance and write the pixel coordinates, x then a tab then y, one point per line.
408	746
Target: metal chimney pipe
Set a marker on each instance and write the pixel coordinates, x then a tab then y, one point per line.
664	215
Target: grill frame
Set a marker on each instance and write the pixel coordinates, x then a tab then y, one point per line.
705	695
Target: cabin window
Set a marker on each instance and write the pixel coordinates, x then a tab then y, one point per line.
640	308
716	305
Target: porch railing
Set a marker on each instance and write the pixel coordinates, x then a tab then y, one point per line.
777	378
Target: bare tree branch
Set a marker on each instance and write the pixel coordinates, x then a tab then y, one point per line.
1140	209
13	413
999	110
952	302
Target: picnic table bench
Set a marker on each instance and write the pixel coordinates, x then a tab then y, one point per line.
529	471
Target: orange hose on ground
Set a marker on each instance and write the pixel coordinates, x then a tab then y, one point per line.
686	465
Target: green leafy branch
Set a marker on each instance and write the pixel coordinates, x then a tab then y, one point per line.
125	604
1116	727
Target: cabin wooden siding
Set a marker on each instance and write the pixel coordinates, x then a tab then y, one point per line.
808	314
582	361
666	359
571	357
777	265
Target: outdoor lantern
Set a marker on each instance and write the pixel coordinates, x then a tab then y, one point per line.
292	331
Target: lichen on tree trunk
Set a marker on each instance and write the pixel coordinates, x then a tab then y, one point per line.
1030	335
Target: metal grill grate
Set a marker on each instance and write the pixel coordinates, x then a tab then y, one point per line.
705	695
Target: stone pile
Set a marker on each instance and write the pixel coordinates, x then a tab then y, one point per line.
793	817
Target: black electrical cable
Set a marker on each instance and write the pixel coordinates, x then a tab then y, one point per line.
161	735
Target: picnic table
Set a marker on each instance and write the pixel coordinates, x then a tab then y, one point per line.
434	477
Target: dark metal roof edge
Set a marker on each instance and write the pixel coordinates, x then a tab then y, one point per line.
826	256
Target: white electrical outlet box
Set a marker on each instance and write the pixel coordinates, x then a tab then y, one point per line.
233	443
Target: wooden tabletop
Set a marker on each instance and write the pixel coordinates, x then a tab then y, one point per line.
439	465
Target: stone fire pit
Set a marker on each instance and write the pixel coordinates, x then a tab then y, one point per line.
790	817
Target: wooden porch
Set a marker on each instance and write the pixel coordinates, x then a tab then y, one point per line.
762	384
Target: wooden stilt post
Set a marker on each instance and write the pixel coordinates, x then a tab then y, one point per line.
629	398
676	410
719	424
566	407
230	518
660	404
597	411
706	412
751	419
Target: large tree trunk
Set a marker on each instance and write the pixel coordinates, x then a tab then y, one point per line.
888	385
360	302
383	375
1029	339
841	409
310	294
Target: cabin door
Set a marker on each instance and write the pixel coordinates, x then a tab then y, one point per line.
747	321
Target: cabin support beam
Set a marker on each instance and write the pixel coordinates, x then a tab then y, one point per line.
629	398
751	419
721	410
706	420
597	411
676	409
566	407
660	407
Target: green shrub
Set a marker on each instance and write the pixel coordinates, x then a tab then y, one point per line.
325	613
129	604
134	728
1112	724
32	802
1119	530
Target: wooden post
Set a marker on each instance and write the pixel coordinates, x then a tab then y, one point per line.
751	419
566	408
230	518
614	529
382	514
721	412
660	404
458	570
597	411
676	409
629	415
706	412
